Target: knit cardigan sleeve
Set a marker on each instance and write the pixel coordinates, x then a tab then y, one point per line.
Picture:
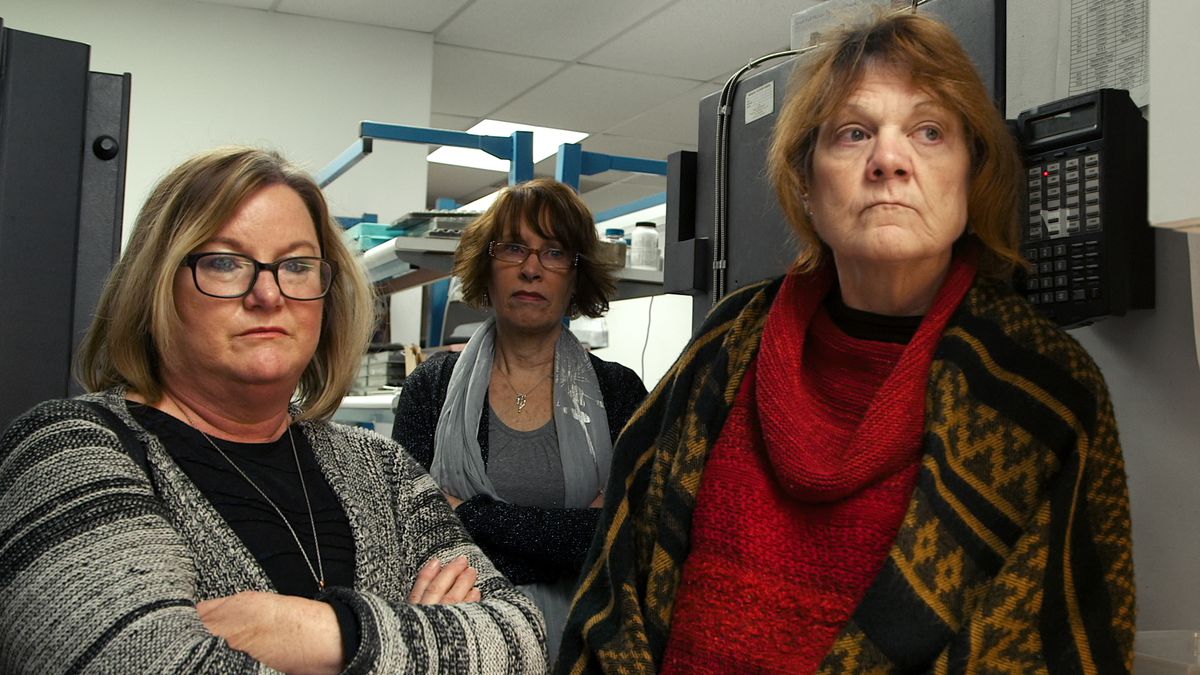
503	633
97	574
93	576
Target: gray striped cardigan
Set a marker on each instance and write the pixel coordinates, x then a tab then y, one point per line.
100	570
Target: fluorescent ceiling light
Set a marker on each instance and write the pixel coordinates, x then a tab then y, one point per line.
545	143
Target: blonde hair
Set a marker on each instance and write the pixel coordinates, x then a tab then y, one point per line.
928	51
554	211
136	321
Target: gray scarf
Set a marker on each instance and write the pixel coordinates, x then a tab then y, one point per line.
580	423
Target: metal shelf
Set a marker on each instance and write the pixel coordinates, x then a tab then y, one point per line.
432	258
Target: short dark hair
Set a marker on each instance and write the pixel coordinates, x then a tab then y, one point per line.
554	211
928	51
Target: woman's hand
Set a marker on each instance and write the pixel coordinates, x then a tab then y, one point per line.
454	501
287	633
598	502
448	584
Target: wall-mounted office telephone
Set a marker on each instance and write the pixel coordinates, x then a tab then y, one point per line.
1083	216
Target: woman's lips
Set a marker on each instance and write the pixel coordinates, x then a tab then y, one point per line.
528	295
264	331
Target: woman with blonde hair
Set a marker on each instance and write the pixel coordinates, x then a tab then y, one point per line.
198	510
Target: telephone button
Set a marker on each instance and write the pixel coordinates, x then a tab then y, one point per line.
1072	199
1045	267
1034	171
1060	249
1072	176
1060	280
1092	224
1078	294
1033	298
1031	284
1091	172
1091	160
1047	251
1052	179
1060	296
1060	265
1073	163
1048	297
1052	167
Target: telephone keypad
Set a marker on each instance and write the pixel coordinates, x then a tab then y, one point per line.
1068	269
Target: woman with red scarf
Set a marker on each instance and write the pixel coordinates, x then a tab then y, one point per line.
885	460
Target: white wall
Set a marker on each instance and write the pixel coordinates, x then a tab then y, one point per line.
1149	361
658	327
206	75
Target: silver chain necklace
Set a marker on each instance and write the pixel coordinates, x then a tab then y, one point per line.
318	572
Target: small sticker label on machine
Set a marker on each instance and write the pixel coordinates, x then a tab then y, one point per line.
760	102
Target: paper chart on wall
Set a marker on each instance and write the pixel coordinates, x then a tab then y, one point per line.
1104	44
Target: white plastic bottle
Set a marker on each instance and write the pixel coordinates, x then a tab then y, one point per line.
645	246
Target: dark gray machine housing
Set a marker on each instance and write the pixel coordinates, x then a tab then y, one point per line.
759	243
63	134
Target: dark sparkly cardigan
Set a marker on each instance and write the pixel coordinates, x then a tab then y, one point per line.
1014	555
527	544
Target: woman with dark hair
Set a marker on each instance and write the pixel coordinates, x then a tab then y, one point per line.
885	460
198	511
518	428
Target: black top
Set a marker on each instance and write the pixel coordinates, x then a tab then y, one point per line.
527	544
272	467
869	326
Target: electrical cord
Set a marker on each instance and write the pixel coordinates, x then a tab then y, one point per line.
646	342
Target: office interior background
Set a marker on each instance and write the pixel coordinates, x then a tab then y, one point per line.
299	75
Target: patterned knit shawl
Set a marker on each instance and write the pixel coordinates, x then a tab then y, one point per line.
1014	554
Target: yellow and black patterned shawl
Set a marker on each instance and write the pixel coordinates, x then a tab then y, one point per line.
1014	555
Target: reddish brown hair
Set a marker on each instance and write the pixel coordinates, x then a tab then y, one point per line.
938	65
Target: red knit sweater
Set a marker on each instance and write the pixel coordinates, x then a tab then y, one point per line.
804	491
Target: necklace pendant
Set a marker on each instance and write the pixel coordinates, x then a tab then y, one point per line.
521	401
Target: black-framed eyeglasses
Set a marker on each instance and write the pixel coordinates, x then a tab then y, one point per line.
551	258
233	275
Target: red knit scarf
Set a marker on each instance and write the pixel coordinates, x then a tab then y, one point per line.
806	487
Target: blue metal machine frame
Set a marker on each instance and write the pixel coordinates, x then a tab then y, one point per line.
573	161
517	148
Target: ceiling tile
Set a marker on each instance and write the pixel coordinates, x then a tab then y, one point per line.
475	83
701	39
461	183
617	194
585	98
677	120
555	29
625	146
451	122
251	4
416	15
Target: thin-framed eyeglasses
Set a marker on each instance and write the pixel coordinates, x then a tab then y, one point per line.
551	258
233	275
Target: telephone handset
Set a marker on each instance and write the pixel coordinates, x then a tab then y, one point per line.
1083	212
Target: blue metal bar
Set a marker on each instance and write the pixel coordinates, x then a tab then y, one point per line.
595	162
343	162
568	163
517	148
520	168
635	205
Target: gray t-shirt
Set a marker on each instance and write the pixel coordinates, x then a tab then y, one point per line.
525	466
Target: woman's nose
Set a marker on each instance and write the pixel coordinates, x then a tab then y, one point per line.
890	157
532	267
265	292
